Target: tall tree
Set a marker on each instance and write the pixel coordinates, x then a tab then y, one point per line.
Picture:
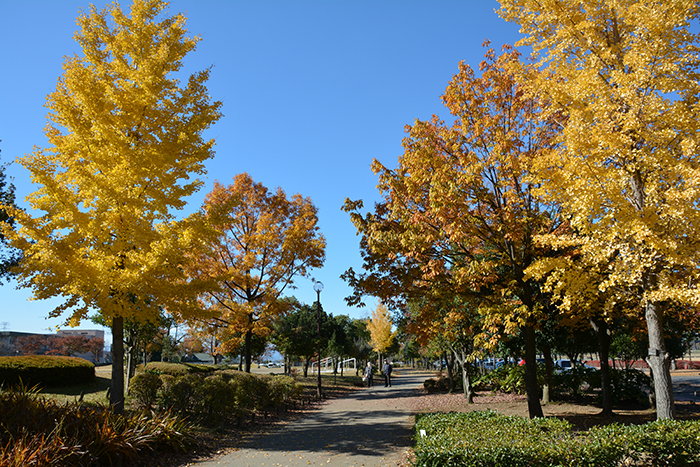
264	241
463	196
624	75
124	141
9	256
379	327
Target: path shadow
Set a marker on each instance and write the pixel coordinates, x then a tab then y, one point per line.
353	425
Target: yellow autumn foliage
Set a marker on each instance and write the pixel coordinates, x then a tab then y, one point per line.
124	148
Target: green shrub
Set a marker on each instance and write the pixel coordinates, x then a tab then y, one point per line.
215	401
46	371
143	389
490	439
180	395
508	378
442	384
178	369
629	386
225	395
486	439
576	381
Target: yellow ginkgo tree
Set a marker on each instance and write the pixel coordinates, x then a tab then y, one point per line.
622	75
379	327
124	147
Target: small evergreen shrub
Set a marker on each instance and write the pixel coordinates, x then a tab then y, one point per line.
143	389
178	369
630	386
45	371
226	395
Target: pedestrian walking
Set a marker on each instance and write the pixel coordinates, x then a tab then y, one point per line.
387	373
368	375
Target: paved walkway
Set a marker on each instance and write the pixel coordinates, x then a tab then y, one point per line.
370	427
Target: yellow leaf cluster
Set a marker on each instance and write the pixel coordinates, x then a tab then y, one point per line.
379	327
623	75
124	139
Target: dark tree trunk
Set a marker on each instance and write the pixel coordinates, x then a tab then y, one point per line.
603	332
248	345
450	370
116	394
306	367
534	407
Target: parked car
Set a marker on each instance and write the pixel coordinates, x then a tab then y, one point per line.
493	363
565	364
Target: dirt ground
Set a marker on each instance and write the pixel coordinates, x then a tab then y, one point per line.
583	413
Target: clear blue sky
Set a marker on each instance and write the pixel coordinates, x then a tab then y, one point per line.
312	92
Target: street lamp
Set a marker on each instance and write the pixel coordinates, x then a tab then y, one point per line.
318	287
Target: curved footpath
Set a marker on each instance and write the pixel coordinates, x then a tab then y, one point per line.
370	427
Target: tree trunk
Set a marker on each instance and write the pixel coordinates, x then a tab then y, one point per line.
247	351
548	368
461	357
129	365
450	370
116	394
306	367
660	362
532	389
601	329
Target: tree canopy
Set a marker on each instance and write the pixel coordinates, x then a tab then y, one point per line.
125	147
623	76
263	240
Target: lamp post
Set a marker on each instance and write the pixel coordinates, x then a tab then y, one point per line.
318	287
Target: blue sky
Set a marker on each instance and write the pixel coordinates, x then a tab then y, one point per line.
312	92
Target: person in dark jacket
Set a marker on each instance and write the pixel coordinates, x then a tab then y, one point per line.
368	375
387	374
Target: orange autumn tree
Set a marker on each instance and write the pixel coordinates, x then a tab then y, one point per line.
125	145
463	196
264	240
625	75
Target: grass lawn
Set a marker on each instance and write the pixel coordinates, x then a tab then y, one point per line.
96	392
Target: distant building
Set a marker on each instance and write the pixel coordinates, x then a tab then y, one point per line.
11	342
8	341
89	333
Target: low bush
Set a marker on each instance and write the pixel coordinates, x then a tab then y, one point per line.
490	439
630	386
507	378
178	369
143	389
38	431
45	371
577	381
213	399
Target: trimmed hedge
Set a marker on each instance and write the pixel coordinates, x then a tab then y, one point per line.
214	397
45	371
178	369
489	439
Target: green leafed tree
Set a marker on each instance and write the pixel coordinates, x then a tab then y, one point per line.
9	256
